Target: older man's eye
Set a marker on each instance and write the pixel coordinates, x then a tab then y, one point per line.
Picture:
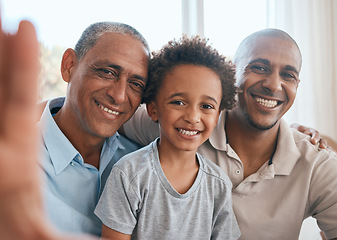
106	73
137	85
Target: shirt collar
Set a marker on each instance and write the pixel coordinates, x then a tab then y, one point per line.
109	149
60	149
218	138
287	152
285	156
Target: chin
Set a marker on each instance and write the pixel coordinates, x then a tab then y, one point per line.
259	126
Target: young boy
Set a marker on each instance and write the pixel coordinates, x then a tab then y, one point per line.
166	190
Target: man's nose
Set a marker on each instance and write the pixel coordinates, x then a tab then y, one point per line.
273	82
118	90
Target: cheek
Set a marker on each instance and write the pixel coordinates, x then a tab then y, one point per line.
291	93
134	99
211	121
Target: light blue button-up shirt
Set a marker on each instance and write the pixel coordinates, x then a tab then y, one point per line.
73	187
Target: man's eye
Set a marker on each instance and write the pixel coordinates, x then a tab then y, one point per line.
259	69
137	85
288	76
106	73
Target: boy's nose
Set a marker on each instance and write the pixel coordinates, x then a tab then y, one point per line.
192	115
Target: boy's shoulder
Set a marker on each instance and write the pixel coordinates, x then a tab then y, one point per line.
137	160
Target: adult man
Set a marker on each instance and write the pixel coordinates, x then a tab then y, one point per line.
106	74
278	177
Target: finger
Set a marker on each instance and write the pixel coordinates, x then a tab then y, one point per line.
315	136
18	136
323	143
21	97
3	77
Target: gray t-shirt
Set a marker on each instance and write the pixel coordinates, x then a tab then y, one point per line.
139	200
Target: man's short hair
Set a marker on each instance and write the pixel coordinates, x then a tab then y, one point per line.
92	34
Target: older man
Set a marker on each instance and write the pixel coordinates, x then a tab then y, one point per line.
106	74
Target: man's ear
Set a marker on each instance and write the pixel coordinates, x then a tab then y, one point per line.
69	61
152	111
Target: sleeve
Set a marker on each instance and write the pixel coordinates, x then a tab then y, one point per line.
118	205
225	224
141	128
323	195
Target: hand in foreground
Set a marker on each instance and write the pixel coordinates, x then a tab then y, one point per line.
21	212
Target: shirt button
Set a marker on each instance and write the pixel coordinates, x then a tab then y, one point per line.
238	171
72	164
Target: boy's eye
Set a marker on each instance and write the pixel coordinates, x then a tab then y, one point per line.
177	102
207	106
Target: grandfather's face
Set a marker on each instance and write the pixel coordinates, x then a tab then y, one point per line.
106	86
268	76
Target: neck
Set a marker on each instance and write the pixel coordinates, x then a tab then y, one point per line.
88	145
253	146
180	167
173	157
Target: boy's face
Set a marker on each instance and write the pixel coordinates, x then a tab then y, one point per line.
187	107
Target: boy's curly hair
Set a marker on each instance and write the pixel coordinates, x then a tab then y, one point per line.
195	51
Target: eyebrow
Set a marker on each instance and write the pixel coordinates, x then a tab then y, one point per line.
291	68
267	62
182	94
260	60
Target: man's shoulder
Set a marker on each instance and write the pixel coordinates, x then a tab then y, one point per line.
214	171
310	151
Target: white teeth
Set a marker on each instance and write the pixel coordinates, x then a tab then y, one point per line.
108	110
265	102
188	133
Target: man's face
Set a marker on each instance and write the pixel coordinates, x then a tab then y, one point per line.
268	75
105	87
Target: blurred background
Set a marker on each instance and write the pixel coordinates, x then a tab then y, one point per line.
312	23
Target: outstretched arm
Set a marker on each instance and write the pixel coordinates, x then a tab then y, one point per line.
21	212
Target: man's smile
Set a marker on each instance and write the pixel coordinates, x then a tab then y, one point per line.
104	108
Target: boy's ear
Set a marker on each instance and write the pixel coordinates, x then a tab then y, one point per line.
152	111
69	61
